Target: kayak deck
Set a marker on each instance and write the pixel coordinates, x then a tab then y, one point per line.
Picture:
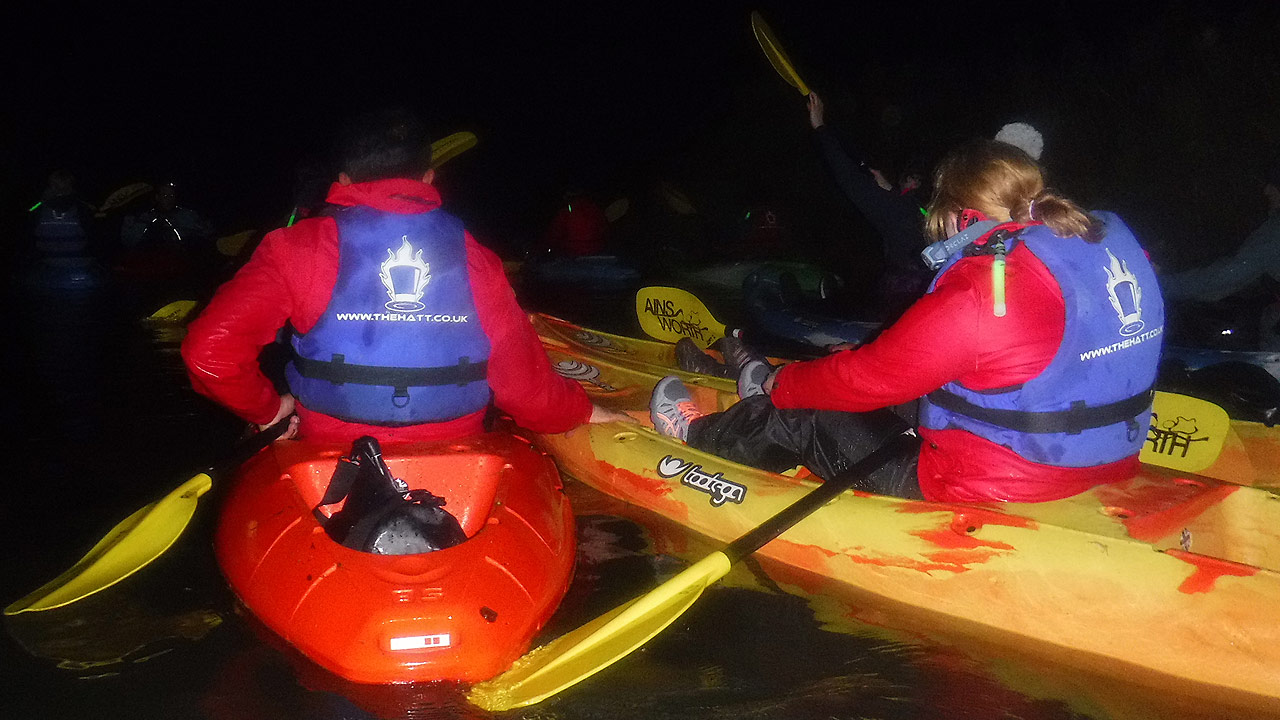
1164	575
462	613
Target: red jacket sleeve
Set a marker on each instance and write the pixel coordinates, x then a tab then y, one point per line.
951	334
930	345
222	345
524	384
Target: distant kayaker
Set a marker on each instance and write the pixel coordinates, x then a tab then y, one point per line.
404	327
1033	353
61	223
167	225
1248	278
892	210
579	228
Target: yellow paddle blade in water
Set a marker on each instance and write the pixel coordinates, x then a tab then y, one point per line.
595	646
1186	433
231	245
773	50
451	146
175	312
129	547
668	314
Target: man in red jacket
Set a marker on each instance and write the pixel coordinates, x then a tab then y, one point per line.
404	327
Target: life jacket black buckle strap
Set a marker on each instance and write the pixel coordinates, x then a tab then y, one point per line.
338	372
1072	421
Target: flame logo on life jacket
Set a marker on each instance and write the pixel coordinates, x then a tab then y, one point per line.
1125	295
405	276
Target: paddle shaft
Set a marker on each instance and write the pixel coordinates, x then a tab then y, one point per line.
249	447
825	493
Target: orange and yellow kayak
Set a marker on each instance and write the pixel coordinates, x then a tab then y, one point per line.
1171	580
462	613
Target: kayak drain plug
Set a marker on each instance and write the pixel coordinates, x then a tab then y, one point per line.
488	614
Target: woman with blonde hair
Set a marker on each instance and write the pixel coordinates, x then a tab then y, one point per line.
1033	354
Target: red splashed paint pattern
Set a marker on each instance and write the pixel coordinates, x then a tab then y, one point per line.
1208	570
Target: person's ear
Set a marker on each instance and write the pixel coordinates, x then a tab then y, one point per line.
344	179
429	176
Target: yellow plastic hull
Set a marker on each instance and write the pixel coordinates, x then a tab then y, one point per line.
1164	579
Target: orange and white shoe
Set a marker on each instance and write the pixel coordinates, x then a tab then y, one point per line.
671	408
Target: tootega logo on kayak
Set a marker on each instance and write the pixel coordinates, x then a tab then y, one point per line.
720	490
671	319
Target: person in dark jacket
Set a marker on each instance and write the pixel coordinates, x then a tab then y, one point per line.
892	211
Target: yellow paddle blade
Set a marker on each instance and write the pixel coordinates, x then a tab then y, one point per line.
773	50
668	314
595	646
175	312
129	547
1186	433
231	245
451	146
124	196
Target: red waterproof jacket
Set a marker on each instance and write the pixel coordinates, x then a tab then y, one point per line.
578	229
953	334
290	278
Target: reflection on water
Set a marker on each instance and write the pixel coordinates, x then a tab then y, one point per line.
109	423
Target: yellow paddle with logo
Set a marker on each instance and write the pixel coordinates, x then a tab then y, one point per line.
773	51
669	314
1186	433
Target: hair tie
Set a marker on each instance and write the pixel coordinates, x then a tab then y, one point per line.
1031	209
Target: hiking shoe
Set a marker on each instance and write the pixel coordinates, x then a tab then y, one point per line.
737	354
671	408
752	378
690	358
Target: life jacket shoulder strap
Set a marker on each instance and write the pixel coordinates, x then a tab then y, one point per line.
1078	418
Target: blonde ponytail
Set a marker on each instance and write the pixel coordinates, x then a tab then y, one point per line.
1003	183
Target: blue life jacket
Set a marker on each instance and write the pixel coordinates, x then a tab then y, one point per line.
399	342
1092	404
60	226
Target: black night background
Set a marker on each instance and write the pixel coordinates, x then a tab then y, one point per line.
1163	111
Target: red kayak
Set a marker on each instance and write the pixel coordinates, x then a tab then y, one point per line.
460	613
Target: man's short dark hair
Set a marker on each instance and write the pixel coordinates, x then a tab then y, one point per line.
390	143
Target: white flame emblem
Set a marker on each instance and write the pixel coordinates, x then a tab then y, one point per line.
1125	295
405	276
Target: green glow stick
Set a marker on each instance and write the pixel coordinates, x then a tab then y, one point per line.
997	285
292	216
33	207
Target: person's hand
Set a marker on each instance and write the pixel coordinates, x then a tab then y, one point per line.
815	111
770	381
880	179
604	415
287	407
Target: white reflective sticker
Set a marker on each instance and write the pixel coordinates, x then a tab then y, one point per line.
419	642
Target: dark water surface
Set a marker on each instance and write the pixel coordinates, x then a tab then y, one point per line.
106	422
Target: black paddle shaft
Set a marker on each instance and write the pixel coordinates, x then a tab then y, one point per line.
826	492
247	448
